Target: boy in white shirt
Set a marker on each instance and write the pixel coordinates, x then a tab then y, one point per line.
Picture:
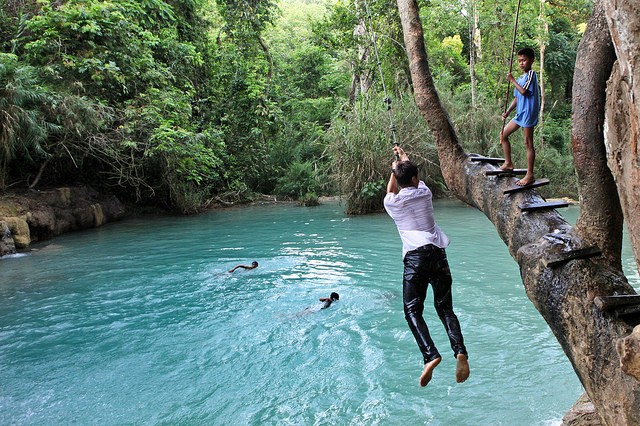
409	203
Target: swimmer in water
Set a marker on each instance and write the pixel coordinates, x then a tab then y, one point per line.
329	300
254	265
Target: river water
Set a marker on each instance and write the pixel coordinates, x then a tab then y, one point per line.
138	322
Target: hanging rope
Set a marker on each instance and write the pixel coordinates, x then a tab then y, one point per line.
513	48
387	99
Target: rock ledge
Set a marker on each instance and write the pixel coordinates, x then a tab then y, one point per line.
42	215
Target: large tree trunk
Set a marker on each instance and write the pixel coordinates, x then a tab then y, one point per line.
449	152
623	112
564	294
600	220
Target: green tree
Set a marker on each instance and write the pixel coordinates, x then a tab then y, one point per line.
23	127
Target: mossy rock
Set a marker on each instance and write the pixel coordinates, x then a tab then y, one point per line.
19	230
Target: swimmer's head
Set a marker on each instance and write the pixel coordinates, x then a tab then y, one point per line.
335	296
254	264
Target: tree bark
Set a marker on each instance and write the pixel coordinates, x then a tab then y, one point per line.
564	295
449	150
600	220
623	112
364	52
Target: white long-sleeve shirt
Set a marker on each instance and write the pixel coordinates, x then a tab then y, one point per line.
412	211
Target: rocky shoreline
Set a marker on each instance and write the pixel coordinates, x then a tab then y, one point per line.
41	215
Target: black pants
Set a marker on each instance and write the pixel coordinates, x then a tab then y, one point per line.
423	266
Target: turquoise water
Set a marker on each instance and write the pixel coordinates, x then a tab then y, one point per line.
138	322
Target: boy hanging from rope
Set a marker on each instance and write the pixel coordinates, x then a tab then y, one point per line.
526	102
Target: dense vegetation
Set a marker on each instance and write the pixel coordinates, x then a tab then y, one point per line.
182	103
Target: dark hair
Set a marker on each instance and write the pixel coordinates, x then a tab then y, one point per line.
335	296
528	52
404	171
254	263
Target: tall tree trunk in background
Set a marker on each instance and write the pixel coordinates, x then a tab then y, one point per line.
363	35
564	294
600	220
361	79
623	112
267	53
353	91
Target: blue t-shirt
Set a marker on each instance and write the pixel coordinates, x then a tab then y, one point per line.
528	105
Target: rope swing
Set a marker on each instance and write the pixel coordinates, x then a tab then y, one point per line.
387	99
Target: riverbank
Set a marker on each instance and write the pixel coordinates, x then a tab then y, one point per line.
35	216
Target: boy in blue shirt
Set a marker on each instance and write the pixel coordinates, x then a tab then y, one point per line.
526	102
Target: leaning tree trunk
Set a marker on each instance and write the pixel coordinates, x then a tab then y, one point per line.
564	295
426	96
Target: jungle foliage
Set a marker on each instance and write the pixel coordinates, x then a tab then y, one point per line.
182	103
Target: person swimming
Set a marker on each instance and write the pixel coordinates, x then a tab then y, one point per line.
254	265
329	300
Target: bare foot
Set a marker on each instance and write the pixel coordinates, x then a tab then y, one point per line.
425	377
462	368
526	180
506	166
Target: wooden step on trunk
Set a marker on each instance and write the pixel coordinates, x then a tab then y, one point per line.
548	205
625	306
517	188
508	172
492	160
562	258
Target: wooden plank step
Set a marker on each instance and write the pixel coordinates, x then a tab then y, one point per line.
508	172
626	311
613	302
565	257
548	205
492	160
534	184
625	306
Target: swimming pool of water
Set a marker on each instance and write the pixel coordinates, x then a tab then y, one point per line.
139	322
